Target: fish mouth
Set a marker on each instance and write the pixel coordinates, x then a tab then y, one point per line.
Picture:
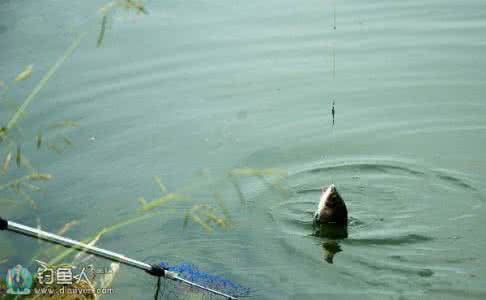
330	197
331	201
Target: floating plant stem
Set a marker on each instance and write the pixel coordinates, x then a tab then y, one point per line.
8	201
162	200
80	255
31	186
24	161
257	172
64	124
28	198
42	83
162	187
67	227
67	140
54	148
18	157
276	186
18	181
25	73
102	31
221	204
6	163
203	224
142	201
101	233
39	140
200	211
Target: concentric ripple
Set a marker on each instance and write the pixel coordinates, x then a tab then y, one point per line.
405	220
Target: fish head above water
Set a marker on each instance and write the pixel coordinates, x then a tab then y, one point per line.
332	208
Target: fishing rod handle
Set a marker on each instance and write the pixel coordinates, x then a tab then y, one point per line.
57	239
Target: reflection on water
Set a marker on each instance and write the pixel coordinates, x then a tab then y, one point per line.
392	210
330	234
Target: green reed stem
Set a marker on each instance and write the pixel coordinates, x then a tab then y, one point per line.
42	83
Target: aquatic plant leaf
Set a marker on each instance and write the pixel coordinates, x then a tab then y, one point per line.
215	219
40	176
142	201
203	224
101	35
64	124
162	187
102	232
208	212
67	227
6	163
276	186
39	140
25	161
31	186
81	254
186	220
257	172
15	184
67	140
3	133
16	116
135	5
28	198
25	73
54	148
18	157
162	200
7	201
221	205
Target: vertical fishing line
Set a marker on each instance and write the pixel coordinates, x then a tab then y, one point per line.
333	111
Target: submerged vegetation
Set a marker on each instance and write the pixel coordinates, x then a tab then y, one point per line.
21	180
272	178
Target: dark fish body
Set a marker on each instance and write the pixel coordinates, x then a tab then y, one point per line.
331	209
331	221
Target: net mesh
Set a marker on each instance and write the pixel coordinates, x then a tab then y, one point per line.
176	290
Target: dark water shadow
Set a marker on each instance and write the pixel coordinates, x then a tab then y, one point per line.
330	235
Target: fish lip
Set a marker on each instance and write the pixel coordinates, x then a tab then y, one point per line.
328	193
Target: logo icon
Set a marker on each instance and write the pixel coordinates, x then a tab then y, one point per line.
19	281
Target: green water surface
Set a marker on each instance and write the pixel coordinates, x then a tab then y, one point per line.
195	89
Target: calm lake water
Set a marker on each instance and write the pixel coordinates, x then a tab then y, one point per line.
195	89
